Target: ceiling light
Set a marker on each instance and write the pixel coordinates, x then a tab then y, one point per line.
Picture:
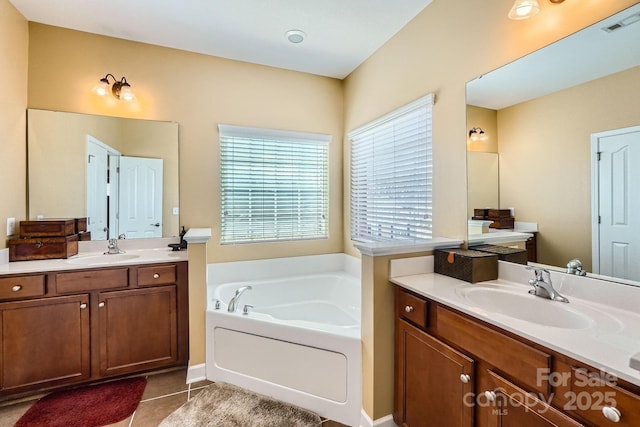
477	134
524	9
120	89
295	36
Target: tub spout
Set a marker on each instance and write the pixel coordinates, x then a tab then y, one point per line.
234	301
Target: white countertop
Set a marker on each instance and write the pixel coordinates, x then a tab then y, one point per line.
91	255
608	343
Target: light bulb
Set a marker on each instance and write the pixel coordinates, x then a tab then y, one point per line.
126	94
523	9
102	88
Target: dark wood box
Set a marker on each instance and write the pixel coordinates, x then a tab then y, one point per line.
42	248
499	213
519	256
81	225
465	264
480	213
48	228
502	223
84	235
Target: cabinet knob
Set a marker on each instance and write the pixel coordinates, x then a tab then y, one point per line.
408	308
101	304
465	378
83	306
156	276
611	413
490	395
16	288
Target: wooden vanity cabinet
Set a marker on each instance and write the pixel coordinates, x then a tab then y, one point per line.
454	370
90	324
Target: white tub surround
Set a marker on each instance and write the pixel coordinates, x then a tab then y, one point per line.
300	339
605	337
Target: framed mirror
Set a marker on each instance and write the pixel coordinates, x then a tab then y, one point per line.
551	111
121	174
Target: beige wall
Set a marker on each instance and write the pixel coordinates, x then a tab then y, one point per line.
545	160
448	44
14	41
198	92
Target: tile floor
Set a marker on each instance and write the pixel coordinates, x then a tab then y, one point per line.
165	392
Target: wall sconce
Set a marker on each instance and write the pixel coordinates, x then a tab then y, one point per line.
477	135
525	9
120	89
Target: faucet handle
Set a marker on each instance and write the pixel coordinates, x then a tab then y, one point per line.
246	308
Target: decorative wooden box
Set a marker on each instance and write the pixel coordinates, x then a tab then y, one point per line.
465	264
519	256
42	248
502	223
498	213
81	225
48	228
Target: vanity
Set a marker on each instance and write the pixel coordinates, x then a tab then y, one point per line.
91	317
490	354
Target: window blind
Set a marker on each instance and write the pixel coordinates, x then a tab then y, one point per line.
391	175
274	185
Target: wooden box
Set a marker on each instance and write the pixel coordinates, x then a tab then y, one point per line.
465	264
498	213
42	248
48	228
84	235
480	213
502	223
519	256
81	225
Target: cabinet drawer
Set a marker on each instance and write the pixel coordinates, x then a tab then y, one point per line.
21	287
591	393
89	280
511	357
156	275
412	308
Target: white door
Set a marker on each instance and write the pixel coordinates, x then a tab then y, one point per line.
140	197
97	187
616	236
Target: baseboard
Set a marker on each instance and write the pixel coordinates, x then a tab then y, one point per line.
196	373
366	421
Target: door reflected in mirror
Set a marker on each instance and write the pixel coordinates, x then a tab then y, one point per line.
122	174
548	107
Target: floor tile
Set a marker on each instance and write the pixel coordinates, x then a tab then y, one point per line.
152	412
10	414
165	383
200	384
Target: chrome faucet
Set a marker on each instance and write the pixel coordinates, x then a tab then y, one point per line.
234	301
575	267
112	248
542	286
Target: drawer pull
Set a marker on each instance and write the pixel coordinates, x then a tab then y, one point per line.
83	306
156	276
101	304
408	308
490	396
612	414
16	288
465	378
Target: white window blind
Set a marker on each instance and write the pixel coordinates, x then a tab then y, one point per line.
274	185
391	175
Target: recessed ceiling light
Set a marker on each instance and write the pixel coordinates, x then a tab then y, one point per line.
295	36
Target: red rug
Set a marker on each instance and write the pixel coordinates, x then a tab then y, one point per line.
91	406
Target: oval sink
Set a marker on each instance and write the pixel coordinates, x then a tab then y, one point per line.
524	306
102	259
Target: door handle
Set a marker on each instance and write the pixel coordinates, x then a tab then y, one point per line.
157	224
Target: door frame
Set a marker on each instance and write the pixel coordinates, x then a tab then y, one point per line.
595	191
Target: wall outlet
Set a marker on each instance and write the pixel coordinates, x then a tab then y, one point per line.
11	226
176	211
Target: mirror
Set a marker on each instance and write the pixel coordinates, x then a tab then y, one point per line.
60	181
546	108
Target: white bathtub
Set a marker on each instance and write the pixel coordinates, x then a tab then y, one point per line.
300	343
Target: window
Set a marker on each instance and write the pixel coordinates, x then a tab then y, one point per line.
391	175
274	185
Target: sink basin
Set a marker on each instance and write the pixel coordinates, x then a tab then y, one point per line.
521	305
102	259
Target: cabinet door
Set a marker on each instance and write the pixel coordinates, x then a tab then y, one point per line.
434	382
511	406
138	329
45	342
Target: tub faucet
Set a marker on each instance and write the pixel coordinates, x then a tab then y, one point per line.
542	286
575	267
236	298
